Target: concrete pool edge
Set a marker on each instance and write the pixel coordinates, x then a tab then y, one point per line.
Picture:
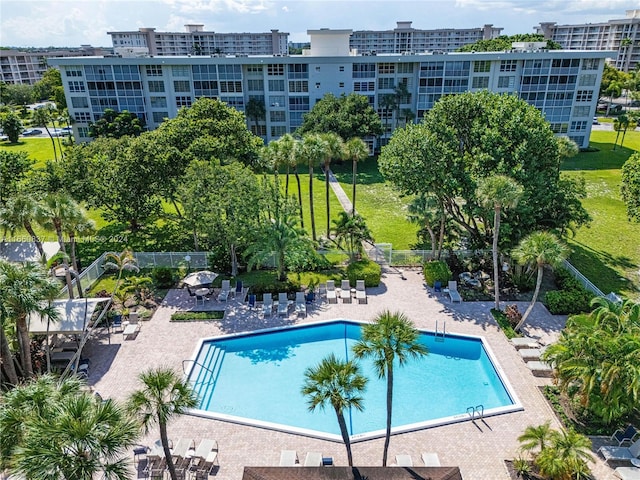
516	406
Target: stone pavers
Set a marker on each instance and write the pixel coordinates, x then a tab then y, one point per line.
479	449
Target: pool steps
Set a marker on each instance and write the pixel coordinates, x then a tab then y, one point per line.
205	374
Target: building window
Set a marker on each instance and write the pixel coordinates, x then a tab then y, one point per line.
277	116
278	130
156	86
79	102
364	70
277	100
317	69
480	82
158	117
386	68
154	70
259	130
298	86
341	68
158	102
230	87
299	104
276	85
76	86
183	101
180	71
579	126
386	83
587	80
82	117
364	86
405	68
508	65
298	70
584	96
317	84
255	85
559	127
341	85
235	102
483	66
590	64
73	73
254	69
83	132
275	70
181	86
506	81
581	111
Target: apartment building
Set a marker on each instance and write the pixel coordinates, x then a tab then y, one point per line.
621	36
563	85
196	41
404	38
27	66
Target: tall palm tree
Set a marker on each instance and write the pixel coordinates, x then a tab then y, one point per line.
334	149
124	261
21	211
297	155
498	192
355	150
23	289
77	222
287	150
391	338
540	249
83	438
164	395
55	210
339	384
349	233
312	150
42	116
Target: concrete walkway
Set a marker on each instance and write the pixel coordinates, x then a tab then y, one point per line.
340	194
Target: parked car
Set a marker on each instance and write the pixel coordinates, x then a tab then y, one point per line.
596	121
31	131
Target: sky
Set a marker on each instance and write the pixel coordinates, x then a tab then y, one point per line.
60	23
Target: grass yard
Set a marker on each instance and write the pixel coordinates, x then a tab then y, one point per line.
38	149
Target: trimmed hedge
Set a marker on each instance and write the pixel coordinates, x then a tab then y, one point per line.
197	316
571	298
366	269
274	287
435	271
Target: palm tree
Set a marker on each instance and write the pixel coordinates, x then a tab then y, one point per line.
540	249
164	395
287	150
334	149
256	111
55	211
355	150
566	457
78	222
427	211
535	437
339	384
120	262
19	212
83	438
23	289
350	232
391	338
620	124
42	116
312	151
297	155
498	192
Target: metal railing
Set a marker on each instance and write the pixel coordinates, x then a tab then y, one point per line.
584	281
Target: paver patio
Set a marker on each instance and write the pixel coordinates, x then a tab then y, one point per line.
479	450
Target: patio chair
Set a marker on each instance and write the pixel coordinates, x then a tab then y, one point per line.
345	291
283	304
224	293
203	453
130	330
620	453
251	302
116	322
437	286
301	304
454	295
288	458
623	435
156	467
267	305
238	292
403	461
430	459
322	290
313	459
332	295
627	473
361	292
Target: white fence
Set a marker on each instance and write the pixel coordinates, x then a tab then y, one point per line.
586	283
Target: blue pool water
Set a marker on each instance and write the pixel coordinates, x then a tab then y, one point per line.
259	377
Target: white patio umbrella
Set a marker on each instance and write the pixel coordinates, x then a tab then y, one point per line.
203	277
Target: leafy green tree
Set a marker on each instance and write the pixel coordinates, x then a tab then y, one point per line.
42	117
11	125
14	167
611	75
426	211
539	249
333	150
470	136
49	87
503	42
18	94
115	124
391	339
338	384
630	187
20	212
347	116
349	233
355	150
78	222
622	124
498	192
163	396
23	291
256	111
597	359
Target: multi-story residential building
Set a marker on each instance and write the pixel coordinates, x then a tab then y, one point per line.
563	85
27	66
196	41
404	38
622	36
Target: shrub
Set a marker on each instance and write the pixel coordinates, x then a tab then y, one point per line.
504	324
304	258
196	316
569	302
436	271
274	287
162	277
366	270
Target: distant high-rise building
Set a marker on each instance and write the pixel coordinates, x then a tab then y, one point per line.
621	36
404	38
196	41
28	65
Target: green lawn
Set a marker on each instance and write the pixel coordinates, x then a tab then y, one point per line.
38	149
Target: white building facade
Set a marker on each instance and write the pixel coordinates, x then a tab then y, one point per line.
563	85
622	36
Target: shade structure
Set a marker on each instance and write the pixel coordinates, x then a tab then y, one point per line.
74	316
202	277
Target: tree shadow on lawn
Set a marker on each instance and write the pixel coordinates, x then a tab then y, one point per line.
604	159
599	267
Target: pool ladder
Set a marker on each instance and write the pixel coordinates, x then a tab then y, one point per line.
439	336
476	412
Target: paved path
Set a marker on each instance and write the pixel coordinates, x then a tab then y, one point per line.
340	194
478	450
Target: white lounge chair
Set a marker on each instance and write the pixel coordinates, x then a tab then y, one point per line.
301	304
430	459
403	461
454	295
267	305
288	458
524	342
345	291
620	453
313	459
627	473
224	293
361	293
332	295
540	368
132	327
283	304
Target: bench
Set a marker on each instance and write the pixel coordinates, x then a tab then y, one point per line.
129	330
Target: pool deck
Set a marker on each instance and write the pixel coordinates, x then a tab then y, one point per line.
478	449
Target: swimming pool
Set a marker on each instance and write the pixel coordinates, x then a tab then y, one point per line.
256	378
